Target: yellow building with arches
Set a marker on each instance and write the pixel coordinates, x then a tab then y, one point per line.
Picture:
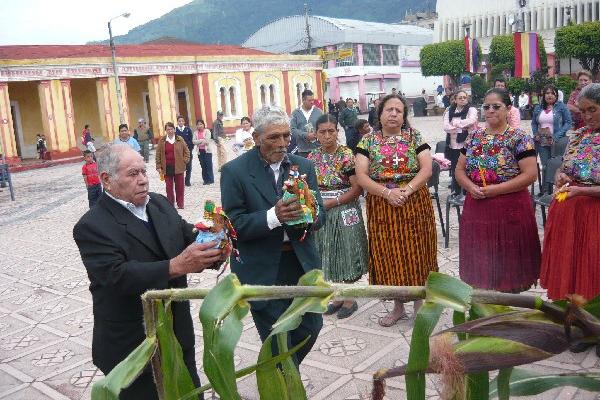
56	90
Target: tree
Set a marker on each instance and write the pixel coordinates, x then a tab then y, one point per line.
502	54
445	58
566	84
478	88
580	41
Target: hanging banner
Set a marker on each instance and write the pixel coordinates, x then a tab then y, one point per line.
527	54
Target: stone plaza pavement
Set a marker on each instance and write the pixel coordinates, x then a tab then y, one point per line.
46	308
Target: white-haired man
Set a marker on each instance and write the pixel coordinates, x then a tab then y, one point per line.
271	252
130	242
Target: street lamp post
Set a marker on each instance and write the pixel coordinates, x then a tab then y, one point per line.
115	71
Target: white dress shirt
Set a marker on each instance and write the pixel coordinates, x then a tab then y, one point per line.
138	211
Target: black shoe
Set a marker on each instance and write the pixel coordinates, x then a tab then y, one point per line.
345	312
188	184
332	308
581	347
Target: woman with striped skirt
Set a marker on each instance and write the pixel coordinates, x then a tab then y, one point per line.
394	165
343	239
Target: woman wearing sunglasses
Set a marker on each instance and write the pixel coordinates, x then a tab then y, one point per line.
499	244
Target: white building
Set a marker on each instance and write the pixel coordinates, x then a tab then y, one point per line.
489	18
385	56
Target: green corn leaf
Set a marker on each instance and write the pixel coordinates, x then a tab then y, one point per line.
248	370
176	377
270	381
448	291
221	316
477	386
503	383
285	383
292	317
527	383
458	318
479	310
124	373
479	354
531	328
418	358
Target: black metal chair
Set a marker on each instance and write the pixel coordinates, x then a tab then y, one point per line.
434	183
559	147
456	202
544	201
5	179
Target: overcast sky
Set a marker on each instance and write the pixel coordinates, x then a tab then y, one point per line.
74	21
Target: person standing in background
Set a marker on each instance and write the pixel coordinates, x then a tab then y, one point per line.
584	78
144	136
303	124
219	138
188	136
348	117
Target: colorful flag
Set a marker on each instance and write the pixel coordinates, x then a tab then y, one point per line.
527	54
471	54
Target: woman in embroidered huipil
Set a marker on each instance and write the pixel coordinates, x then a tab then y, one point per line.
394	165
343	239
571	257
499	246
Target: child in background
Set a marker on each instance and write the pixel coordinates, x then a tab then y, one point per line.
41	146
90	177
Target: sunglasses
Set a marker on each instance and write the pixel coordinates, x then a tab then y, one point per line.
496	107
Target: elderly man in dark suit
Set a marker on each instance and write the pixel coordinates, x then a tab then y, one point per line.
130	242
271	252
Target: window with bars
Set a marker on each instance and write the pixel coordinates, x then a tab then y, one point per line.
371	54
390	54
348	61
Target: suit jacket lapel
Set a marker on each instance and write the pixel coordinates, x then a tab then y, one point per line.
134	226
261	179
160	219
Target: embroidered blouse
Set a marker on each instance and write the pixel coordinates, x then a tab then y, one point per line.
495	157
333	170
392	159
582	157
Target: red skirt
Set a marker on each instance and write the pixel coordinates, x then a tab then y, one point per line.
571	258
499	243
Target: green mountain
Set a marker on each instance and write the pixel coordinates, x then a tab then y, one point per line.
232	21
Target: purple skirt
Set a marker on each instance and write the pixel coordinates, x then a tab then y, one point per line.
499	243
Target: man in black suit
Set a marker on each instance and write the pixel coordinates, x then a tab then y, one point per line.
271	252
130	242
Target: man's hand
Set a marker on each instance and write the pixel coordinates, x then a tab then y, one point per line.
288	210
195	258
311	136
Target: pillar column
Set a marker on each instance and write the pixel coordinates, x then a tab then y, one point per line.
107	109
56	106
123	84
163	106
362	99
249	98
579	7
197	96
8	140
286	91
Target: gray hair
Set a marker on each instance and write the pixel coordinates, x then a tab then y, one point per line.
591	92
109	158
267	116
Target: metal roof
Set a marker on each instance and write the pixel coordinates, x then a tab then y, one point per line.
288	34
